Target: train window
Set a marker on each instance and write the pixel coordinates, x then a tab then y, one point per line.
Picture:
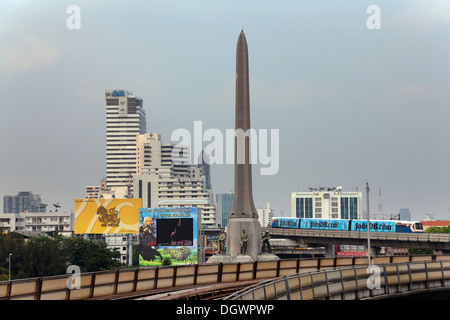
418	226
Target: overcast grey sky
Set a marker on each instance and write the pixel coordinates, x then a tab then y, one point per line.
351	103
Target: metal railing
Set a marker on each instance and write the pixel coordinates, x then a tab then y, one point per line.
109	283
353	283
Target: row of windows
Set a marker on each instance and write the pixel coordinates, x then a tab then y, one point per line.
114	110
129	118
110	121
348	206
333	204
118	153
128	162
125	148
126	172
127	129
303	208
130	101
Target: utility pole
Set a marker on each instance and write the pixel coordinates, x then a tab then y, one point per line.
368	223
130	249
380	206
9	266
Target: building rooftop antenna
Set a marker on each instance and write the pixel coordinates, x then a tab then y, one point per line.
380	205
56	205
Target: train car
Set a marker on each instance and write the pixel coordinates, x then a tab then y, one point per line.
347	225
375	225
409	226
325	224
285	222
387	226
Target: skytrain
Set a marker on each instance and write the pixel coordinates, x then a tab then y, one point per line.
347	224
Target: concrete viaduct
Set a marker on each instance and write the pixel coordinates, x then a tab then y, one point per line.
438	242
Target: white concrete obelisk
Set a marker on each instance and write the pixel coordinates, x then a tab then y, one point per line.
243	221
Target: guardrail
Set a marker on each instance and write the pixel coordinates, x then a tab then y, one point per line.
354	283
109	283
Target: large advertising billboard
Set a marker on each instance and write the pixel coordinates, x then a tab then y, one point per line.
168	233
107	216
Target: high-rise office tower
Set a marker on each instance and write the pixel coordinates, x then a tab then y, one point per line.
224	202
160	182
125	119
152	152
25	201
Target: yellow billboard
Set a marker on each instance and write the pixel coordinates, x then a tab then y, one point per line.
107	215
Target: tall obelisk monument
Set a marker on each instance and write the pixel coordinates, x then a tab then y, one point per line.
243	222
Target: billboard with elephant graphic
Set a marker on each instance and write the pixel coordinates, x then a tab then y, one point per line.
168	236
107	216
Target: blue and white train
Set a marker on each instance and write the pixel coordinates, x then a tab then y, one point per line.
347	224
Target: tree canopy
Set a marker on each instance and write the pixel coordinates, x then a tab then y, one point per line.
445	229
45	256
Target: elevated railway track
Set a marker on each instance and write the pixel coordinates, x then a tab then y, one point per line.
432	241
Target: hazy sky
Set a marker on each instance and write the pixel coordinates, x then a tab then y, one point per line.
350	103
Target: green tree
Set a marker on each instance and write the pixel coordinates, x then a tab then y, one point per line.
45	256
15	244
3	274
90	255
445	229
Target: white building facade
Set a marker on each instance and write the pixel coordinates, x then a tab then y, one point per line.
265	215
326	204
162	183
62	222
162	187
125	119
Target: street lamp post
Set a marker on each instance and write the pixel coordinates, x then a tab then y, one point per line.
9	273
368	223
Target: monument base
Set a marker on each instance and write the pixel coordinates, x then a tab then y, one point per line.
219	258
242	258
267	257
252	228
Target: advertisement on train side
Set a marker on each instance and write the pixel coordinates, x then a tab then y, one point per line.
324	224
168	236
107	216
285	223
375	225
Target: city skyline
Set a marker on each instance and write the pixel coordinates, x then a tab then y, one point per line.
351	103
